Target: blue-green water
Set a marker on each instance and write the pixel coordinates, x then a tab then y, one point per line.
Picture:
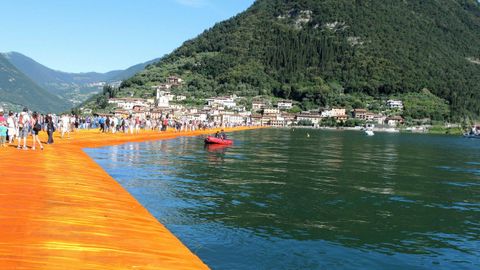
278	199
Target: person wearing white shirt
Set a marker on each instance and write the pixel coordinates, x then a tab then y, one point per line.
12	127
23	129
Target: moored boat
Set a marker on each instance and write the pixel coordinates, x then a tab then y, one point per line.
474	133
471	136
369	129
213	140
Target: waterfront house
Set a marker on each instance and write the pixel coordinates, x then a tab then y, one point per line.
363	114
394	121
370	117
314	118
326	114
360	114
256	119
233	119
379	119
268	119
288	118
339	114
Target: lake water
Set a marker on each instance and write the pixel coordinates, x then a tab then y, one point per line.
279	199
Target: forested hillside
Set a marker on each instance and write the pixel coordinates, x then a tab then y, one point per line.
323	52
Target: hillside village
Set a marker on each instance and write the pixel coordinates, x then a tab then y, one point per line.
230	111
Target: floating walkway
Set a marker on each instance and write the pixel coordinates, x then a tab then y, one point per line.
61	210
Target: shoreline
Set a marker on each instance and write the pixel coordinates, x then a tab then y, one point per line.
61	210
379	130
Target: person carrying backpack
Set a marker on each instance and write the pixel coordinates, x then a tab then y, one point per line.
36	127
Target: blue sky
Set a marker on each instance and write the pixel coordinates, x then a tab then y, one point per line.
103	35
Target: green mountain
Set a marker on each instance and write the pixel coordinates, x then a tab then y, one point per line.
72	87
17	91
333	52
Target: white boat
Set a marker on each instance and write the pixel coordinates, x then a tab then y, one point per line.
369	129
471	136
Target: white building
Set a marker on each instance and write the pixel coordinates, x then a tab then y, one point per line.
161	99
228	102
128	103
169	96
394	121
339	114
285	105
180	98
395	104
233	119
315	119
271	111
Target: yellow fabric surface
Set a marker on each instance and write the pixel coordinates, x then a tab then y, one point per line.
61	210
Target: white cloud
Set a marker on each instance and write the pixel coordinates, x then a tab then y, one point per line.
193	3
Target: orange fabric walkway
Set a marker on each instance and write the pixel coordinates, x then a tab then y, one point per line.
60	210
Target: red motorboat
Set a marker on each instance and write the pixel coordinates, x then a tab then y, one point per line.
213	140
216	148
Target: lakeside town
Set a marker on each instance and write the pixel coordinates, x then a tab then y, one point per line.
232	110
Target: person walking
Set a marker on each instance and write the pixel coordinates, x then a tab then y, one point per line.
65	125
3	133
36	127
23	129
50	129
137	125
12	127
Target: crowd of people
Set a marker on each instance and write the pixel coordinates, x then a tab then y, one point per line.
16	127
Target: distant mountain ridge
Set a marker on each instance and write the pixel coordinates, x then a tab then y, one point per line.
17	91
72	87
